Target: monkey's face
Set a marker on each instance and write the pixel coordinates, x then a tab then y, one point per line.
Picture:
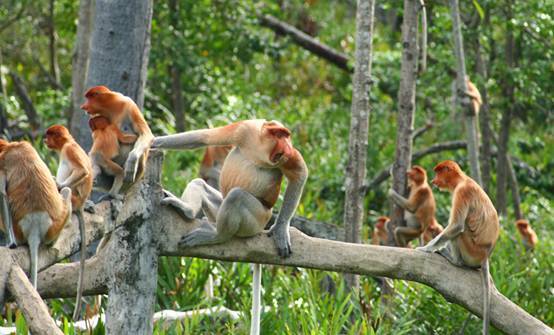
276	138
522	226
55	137
98	123
102	102
416	176
447	174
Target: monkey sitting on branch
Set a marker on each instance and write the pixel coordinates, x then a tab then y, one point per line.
472	229
250	183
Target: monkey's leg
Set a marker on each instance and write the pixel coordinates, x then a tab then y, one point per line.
485	274
240	214
113	169
5	213
34	227
403	235
196	196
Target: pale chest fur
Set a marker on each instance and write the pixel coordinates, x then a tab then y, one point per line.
239	171
64	170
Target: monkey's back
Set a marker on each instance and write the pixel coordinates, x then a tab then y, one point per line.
31	187
80	193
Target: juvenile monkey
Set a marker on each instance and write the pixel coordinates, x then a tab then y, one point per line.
123	113
380	232
475	96
250	184
528	235
75	172
38	211
105	146
432	231
419	208
472	229
212	162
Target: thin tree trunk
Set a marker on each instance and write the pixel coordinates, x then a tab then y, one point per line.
512	180
359	123
175	75
461	88
28	106
54	67
118	59
504	136
406	109
484	122
81	56
3	110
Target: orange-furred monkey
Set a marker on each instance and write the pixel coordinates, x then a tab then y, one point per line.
432	231
528	235
250	184
472	229
122	112
105	147
212	162
380	232
419	208
75	172
475	96
37	211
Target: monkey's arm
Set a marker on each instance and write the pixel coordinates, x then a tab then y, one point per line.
126	138
75	178
226	135
142	144
5	211
411	204
296	172
398	199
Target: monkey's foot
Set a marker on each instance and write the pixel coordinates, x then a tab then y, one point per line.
12	245
89	207
281	237
181	207
424	249
198	237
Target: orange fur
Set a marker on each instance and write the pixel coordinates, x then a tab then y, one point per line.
31	188
475	96
432	231
471	207
106	138
527	233
380	232
212	162
59	139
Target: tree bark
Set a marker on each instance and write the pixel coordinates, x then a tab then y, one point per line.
54	67
118	59
484	122
505	123
79	72
406	109
359	124
461	87
119	50
175	75
512	180
306	41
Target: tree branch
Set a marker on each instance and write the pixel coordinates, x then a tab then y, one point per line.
307	42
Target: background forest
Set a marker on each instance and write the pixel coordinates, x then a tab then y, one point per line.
215	61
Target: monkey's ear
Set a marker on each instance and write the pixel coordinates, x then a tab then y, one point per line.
278	131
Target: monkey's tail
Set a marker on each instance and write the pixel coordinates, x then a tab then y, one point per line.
77	310
486	295
256	298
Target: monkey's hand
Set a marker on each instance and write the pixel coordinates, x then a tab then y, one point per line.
181	207
426	248
281	237
131	167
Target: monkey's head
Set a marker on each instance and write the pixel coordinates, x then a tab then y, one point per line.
522	225
447	175
102	101
275	138
416	176
381	222
56	136
98	123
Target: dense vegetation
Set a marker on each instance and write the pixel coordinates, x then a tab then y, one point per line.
233	68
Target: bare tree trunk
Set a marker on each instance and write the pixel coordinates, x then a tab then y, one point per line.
359	123
406	109
175	75
3	110
461	87
484	122
54	67
512	180
504	136
28	106
79	72
118	59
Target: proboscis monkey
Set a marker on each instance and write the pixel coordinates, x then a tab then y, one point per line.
419	208
122	112
212	162
472	229
250	184
432	231
475	96
380	232
528	235
105	146
75	172
38	211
